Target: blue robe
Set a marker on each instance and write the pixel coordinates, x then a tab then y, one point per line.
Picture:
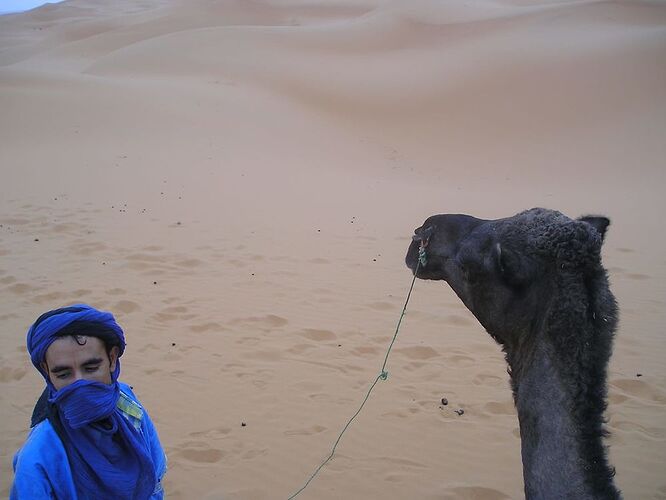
42	469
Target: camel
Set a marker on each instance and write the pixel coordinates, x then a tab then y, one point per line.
536	284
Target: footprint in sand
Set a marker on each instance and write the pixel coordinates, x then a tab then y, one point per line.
8	374
315	429
264	355
21	288
189	263
248	340
639	389
460	360
15	222
650	432
403	463
207	327
144	258
454	319
487	379
82	247
632	276
175	310
126	306
269	321
616	398
319	397
474	493
637	276
148	347
47	298
414	365
250	454
215	433
300	348
417	352
380	306
198	452
318	335
662	492
173	313
396	478
64	227
365	350
500	408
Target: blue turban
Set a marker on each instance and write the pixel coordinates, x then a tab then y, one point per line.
78	319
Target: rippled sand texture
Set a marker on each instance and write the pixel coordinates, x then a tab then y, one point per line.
238	181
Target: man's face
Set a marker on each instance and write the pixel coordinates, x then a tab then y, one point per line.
69	359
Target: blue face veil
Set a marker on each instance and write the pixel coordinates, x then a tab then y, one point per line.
107	454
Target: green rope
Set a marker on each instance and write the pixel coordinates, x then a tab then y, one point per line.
383	375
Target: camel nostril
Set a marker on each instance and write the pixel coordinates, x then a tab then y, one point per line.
423	234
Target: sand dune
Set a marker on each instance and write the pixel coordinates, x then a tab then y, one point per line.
238	181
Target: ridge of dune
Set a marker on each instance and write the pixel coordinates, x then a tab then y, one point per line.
239	180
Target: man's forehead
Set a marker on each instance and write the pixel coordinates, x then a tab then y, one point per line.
69	344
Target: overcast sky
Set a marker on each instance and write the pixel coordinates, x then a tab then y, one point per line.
7	6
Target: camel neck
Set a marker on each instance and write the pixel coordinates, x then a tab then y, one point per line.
554	461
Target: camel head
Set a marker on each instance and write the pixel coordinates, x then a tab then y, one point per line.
506	271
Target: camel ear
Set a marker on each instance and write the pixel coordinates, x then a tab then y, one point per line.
598	222
511	267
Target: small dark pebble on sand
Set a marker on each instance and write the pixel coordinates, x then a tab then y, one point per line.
460	411
243	424
173	344
445	401
154	282
639	374
36	239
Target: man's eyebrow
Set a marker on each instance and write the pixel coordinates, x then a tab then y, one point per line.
92	361
60	368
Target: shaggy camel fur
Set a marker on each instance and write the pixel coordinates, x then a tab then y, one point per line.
536	283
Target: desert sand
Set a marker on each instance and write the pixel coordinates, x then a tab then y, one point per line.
238	182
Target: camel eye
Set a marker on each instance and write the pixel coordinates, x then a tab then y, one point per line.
466	272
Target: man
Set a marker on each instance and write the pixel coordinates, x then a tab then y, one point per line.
91	438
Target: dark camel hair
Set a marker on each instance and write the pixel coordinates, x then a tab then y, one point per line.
536	284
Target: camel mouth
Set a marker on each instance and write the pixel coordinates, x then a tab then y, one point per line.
417	259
